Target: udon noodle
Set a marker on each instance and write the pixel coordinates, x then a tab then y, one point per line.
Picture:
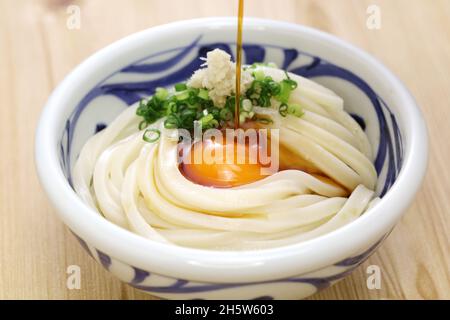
139	186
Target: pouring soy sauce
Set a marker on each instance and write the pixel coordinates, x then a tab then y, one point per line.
238	63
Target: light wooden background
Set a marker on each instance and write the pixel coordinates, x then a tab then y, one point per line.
37	51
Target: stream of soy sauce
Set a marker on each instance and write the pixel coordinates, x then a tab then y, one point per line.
238	63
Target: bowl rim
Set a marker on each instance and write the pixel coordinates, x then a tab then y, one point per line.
227	266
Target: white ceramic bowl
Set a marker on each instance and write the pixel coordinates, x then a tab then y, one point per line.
98	89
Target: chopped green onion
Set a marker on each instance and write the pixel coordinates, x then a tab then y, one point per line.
188	113
206	119
183	95
161	93
172	121
180	87
215	112
214	123
247	105
285	91
185	105
275	88
283	110
264	88
208	122
292	83
203	94
192	100
295	110
264	120
244	115
259	75
172	107
151	135
225	114
194	106
142	124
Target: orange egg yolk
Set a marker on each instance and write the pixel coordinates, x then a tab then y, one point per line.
237	171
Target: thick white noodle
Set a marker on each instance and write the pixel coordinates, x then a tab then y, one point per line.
139	186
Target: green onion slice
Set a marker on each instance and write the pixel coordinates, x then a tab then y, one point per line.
143	124
161	94
295	110
283	110
180	87
264	120
151	135
225	114
183	95
203	94
259	75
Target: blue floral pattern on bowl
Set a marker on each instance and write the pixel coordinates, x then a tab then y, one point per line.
167	287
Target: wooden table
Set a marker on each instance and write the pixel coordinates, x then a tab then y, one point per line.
37	50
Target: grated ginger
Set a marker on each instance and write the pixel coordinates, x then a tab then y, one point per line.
219	77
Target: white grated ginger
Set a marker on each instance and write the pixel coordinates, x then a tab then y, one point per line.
219	77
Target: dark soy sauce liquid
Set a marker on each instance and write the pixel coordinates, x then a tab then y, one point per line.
238	63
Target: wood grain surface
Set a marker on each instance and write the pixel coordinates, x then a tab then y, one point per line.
37	50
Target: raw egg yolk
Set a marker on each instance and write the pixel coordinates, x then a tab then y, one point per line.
222	174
